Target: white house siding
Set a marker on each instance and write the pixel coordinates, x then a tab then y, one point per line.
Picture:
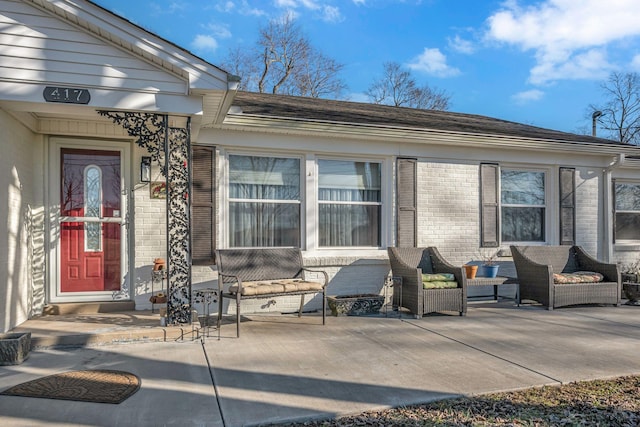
37	48
22	226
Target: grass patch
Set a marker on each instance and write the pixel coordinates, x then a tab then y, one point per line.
603	403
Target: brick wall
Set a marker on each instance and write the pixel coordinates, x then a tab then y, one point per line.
448	206
588	210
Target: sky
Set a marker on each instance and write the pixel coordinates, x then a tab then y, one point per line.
538	62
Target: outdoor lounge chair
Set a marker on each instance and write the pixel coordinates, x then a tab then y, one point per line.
547	274
410	264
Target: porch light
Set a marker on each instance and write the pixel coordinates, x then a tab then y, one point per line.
145	169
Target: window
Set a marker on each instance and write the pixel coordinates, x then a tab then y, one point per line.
513	205
627	211
264	201
522	199
93	208
349	203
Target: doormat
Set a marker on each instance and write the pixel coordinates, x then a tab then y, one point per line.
99	386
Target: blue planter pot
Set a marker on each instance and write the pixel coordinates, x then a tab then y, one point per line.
490	270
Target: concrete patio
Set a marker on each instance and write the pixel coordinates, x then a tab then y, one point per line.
285	368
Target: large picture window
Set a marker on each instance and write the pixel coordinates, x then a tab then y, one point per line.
627	211
522	200
264	201
349	199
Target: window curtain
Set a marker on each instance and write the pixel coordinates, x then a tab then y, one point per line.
264	201
350	203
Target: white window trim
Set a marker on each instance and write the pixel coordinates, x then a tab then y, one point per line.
385	203
550	193
309	200
226	199
624	243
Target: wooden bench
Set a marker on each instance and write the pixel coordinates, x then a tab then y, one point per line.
265	273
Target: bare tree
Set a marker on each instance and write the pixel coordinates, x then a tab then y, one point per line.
284	61
397	87
316	77
621	111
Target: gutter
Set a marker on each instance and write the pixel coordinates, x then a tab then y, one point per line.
608	206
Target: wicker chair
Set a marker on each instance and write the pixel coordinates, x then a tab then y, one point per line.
410	264
536	265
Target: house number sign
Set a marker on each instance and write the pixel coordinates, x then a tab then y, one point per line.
67	95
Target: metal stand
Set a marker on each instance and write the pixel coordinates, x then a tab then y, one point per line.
157	276
393	283
206	297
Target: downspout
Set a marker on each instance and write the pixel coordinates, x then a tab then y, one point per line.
618	162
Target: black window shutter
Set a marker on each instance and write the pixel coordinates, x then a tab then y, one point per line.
489	211
406	202
202	205
567	206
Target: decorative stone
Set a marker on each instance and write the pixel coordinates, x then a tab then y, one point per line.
14	348
355	305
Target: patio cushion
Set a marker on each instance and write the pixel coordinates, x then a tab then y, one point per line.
440	285
279	286
438	277
577	277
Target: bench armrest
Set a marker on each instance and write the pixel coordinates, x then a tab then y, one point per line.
324	273
235	278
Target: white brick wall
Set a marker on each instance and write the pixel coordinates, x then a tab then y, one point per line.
589	210
448	206
150	232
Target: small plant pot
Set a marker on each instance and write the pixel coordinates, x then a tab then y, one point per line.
490	270
14	348
471	271
355	305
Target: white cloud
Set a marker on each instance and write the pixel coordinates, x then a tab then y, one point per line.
331	14
565	33
528	96
204	43
225	6
246	9
359	2
432	61
590	64
635	63
220	31
461	45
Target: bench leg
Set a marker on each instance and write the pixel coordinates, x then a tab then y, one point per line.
238	315
324	308
301	305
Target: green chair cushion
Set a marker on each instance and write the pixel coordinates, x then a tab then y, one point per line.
438	277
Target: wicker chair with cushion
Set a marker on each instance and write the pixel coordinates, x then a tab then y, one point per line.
558	276
429	283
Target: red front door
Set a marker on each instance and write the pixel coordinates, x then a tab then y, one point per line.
90	204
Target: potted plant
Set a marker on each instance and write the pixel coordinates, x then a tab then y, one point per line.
489	266
630	272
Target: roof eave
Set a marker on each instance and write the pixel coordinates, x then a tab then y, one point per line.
259	123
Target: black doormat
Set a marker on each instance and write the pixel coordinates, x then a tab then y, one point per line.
100	386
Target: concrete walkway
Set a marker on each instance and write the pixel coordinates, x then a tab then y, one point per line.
287	369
